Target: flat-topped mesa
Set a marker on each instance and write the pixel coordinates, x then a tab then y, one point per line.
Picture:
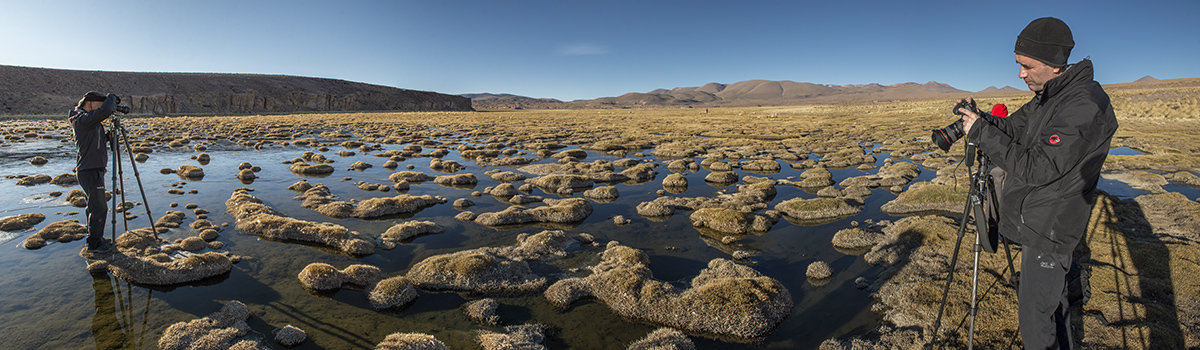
254	217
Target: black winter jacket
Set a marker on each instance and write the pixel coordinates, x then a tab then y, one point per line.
1052	148
90	139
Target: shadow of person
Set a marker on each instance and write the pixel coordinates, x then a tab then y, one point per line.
1132	289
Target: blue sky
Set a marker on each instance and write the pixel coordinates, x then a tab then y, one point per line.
586	49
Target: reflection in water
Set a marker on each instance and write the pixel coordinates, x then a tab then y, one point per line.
113	325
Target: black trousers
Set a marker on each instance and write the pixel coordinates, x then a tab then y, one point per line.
1043	304
92	181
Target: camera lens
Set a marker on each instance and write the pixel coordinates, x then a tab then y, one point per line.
946	136
123	109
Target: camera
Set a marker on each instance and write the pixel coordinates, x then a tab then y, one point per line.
122	109
946	136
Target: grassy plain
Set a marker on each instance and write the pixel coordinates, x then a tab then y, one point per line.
1143	262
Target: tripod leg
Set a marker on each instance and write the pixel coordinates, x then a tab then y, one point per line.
138	176
974	291
113	148
962	229
120	171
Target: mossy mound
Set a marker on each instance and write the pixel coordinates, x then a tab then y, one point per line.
386	206
897	174
663	339
495	269
750	197
725	298
322	276
34	180
65	180
410	341
818	270
925	197
289	335
732	221
721	177
409	176
553	183
456	180
254	217
135	261
224	329
246	174
814	178
675	181
78	199
818	208
21	222
409	229
640	172
504	190
567	210
301	186
602	192
1184	177
855	238
526	336
62	231
482	311
302	168
392	292
189	171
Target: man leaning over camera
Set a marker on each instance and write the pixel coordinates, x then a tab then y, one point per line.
1052	150
92	161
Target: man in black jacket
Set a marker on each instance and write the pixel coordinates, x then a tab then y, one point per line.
92	161
1052	150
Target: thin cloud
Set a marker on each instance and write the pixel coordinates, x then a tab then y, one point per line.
581	49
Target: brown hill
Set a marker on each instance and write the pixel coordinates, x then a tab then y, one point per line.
27	90
1005	89
510	101
770	92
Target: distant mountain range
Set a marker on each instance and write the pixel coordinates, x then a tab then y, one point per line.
744	93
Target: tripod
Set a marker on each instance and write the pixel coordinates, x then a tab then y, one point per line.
116	135
979	192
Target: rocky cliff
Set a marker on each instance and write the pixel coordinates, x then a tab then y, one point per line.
26	90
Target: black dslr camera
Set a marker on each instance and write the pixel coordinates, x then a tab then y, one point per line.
946	136
122	109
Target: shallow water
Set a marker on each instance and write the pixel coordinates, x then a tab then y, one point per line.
46	301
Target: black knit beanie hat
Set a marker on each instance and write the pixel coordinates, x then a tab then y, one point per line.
90	96
1046	39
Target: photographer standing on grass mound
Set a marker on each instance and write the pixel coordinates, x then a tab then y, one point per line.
1052	150
92	161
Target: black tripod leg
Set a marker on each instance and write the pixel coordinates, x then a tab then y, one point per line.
962	229
113	148
138	176
121	178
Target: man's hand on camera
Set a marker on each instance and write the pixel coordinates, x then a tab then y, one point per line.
116	99
968	117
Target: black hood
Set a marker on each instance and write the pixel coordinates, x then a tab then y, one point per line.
1080	72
